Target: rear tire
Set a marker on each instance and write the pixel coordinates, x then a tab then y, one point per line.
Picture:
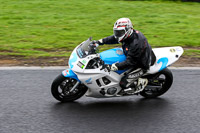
61	89
163	80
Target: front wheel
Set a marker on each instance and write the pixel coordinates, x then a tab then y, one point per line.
158	84
67	89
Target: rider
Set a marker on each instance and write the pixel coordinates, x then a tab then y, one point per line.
138	54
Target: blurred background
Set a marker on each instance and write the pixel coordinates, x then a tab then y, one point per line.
44	32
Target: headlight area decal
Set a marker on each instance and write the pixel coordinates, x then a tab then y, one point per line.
81	65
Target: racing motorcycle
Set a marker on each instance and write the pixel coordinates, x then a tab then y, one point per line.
87	74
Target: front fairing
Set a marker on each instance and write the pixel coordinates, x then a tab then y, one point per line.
73	58
80	57
76	63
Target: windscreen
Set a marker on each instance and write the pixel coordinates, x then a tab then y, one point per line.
83	49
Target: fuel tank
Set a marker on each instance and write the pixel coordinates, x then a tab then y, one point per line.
113	56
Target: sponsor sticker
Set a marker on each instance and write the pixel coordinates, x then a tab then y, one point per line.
65	72
178	49
81	65
172	50
119	52
88	81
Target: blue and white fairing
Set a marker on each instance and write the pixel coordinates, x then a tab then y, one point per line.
68	72
110	56
165	57
80	58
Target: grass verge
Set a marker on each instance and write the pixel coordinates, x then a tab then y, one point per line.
35	28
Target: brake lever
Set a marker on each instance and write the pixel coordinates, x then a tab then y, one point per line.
105	67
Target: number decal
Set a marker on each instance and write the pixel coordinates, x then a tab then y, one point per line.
164	61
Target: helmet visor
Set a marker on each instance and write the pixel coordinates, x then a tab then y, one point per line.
119	33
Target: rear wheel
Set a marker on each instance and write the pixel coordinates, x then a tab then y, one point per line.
158	84
67	89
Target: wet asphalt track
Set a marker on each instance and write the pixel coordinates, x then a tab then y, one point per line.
26	106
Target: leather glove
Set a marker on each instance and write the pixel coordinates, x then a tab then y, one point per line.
97	43
109	68
113	67
94	43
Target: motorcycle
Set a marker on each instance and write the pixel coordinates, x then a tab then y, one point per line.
88	75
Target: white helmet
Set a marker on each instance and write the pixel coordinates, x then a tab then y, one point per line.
122	29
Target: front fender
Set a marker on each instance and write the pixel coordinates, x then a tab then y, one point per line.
69	73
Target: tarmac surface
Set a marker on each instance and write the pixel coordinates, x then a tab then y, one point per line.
27	106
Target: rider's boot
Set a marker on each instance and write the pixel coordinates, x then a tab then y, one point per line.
142	83
137	87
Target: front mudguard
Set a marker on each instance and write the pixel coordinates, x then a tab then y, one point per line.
69	73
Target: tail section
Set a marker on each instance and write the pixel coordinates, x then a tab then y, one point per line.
165	57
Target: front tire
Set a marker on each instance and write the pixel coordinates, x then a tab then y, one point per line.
61	89
158	84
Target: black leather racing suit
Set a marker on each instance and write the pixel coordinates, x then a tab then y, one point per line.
138	55
136	49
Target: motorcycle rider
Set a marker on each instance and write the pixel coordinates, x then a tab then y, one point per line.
138	54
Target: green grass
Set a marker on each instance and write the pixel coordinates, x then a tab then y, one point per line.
34	28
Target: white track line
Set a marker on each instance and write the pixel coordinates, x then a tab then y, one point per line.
65	67
33	68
